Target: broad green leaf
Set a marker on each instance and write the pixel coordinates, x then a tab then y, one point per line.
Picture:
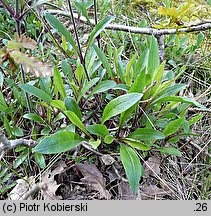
76	121
40	159
57	143
154	59
170	151
104	60
146	134
137	144
34	117
120	104
173	126
98	130
195	119
57	79
98	29
132	166
103	86
59	104
61	29
86	87
71	105
36	92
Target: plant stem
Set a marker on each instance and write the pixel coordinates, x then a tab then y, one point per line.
95	16
21	67
82	59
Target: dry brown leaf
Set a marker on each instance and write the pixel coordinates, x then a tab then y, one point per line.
94	179
153	163
32	64
125	192
152	192
21	188
22	42
50	191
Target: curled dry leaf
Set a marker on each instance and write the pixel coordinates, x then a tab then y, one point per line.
32	64
94	178
22	42
48	178
22	187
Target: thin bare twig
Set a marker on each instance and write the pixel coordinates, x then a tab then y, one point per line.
6	144
149	31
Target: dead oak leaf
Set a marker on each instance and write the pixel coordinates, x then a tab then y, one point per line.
94	179
48	178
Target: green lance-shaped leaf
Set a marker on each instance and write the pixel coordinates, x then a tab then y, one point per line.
40	159
71	105
173	126
154	59
104	60
137	144
3	105
34	117
86	87
59	104
57	79
146	134
98	29
103	86
61	29
76	121
132	166
36	92
170	151
57	143
179	99
119	105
